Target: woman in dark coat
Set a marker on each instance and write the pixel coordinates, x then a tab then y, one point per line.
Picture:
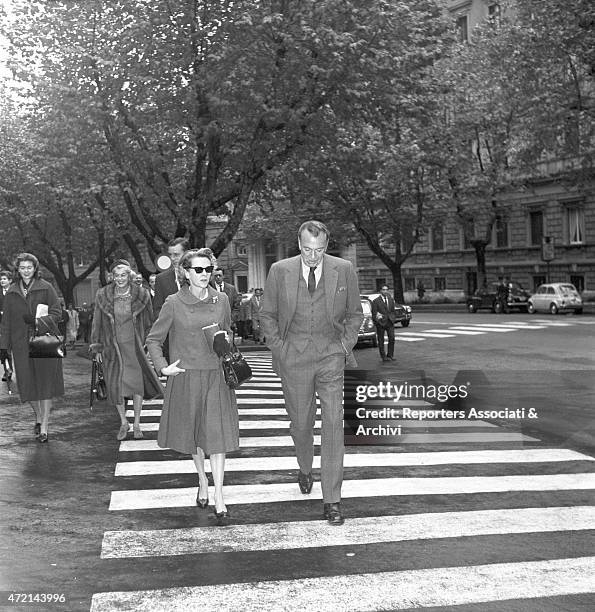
200	413
122	318
29	302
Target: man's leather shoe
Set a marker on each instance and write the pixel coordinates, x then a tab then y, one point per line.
391	358
385	359
333	514
305	481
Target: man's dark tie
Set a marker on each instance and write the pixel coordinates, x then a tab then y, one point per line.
386	302
312	281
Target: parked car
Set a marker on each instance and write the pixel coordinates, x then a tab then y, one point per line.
555	298
499	298
367	330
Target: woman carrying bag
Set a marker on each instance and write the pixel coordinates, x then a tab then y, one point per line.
122	318
30	305
199	411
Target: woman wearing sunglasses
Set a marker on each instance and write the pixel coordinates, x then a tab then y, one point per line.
199	414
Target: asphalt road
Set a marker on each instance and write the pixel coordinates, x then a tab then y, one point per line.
496	514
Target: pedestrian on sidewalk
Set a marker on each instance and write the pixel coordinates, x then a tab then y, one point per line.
122	319
72	326
255	309
32	303
5	280
311	315
200	414
384	317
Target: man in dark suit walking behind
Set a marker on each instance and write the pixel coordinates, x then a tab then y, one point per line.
231	292
166	282
311	314
383	315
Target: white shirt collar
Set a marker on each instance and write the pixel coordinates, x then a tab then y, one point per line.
317	272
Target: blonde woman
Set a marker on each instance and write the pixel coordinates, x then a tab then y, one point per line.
122	318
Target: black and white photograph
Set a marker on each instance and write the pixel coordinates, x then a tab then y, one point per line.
297	305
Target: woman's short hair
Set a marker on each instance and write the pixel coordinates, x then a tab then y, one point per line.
120	262
188	256
22	258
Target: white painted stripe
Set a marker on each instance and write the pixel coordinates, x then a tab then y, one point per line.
404	339
258	391
485	328
458	332
151	402
405	424
518	326
373	487
426	334
246	464
405	438
355	532
262	384
398	590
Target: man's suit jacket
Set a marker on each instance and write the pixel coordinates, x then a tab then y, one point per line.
343	304
165	284
234	298
388	315
255	307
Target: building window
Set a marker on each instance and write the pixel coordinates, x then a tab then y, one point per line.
536	227
501	230
578	280
462	28
538	279
410	283
242	283
494	13
439	283
468	235
437	237
575	218
241	250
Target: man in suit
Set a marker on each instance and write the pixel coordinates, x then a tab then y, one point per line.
5	280
166	282
232	293
255	308
311	314
383	315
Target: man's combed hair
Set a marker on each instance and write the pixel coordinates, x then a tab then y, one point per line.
315	228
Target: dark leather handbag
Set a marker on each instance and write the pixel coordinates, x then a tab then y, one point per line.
48	345
235	368
98	385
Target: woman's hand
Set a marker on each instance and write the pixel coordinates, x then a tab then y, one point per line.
96	347
29	319
221	343
172	369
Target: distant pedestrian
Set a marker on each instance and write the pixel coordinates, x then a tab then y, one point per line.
384	317
84	322
122	319
29	304
62	325
5	280
72	325
255	310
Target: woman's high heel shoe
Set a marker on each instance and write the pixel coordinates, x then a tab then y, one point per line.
221	516
202	502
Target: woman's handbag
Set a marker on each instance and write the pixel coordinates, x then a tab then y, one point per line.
48	345
98	386
235	368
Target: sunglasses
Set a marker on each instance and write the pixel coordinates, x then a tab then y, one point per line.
200	270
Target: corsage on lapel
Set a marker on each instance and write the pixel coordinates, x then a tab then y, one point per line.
215	299
339	289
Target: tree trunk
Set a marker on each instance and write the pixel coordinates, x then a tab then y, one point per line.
398	293
480	255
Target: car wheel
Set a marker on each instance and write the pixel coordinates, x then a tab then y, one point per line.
405	323
498	307
578	311
553	309
530	308
471	308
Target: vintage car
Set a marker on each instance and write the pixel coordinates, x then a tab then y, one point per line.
499	298
555	298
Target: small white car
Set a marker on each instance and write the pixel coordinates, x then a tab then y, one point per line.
555	298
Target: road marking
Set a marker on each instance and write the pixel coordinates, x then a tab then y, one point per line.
485	328
258	391
355	532
459	332
247	464
404	438
398	337
431	587
426	334
404	423
518	326
262	384
553	323
140	499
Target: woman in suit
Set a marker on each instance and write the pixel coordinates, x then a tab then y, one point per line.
122	318
31	303
199	412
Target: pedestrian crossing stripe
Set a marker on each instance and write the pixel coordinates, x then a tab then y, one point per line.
397	590
351	460
355	532
373	487
404	438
